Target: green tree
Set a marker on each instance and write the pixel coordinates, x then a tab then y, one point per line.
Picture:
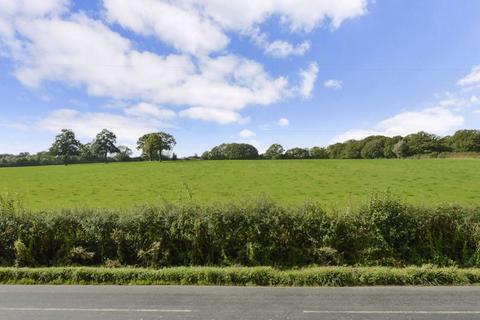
373	149
104	144
352	149
318	153
466	141
86	152
297	153
423	143
65	145
389	143
153	144
275	151
240	151
400	149
124	153
335	150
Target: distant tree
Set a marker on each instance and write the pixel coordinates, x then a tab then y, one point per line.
465	141
65	145
153	144
318	153
335	151
423	143
174	156
352	149
205	155
240	151
86	152
373	149
275	151
388	148
297	153
124	153
104	144
400	149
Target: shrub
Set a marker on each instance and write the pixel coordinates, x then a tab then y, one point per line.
384	232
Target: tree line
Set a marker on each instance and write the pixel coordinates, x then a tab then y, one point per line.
67	149
372	147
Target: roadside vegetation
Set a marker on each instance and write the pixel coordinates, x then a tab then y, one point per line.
384	232
244	276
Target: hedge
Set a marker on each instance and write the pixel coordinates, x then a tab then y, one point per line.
384	232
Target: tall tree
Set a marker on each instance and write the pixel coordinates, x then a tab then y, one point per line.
65	145
153	144
275	151
104	144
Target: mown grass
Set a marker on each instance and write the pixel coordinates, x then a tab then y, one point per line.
242	276
335	183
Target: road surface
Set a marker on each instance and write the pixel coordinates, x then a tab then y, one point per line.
174	302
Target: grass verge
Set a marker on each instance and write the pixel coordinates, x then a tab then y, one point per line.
244	276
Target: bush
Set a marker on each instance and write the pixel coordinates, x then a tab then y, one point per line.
383	232
241	276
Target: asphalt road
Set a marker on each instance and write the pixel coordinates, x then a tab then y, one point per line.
173	302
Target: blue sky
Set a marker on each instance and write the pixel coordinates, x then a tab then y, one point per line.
300	73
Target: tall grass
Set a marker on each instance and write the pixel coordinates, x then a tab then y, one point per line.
384	232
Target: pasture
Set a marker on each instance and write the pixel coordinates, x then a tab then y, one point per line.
333	183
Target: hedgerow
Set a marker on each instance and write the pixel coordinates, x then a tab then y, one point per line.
384	232
243	276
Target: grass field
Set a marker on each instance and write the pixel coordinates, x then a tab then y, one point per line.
332	182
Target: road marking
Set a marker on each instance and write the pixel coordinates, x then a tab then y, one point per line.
387	312
99	310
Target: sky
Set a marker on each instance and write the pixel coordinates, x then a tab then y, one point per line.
301	73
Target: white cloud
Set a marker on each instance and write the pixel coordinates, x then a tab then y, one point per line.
221	116
245	133
49	43
308	76
87	125
436	120
333	84
472	78
60	49
283	122
282	49
144	109
200	26
300	15
180	26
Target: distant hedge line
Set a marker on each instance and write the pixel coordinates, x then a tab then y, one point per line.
244	276
383	232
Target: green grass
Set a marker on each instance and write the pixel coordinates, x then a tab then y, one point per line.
331	182
257	276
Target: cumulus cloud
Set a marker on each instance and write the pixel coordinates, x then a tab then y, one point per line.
221	116
50	43
472	78
245	133
333	84
437	120
60	49
180	26
282	49
149	110
283	122
88	124
300	15
204	23
308	76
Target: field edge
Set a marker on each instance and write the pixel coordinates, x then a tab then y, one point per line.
243	276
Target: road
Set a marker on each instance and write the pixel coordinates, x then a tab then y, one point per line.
174	302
